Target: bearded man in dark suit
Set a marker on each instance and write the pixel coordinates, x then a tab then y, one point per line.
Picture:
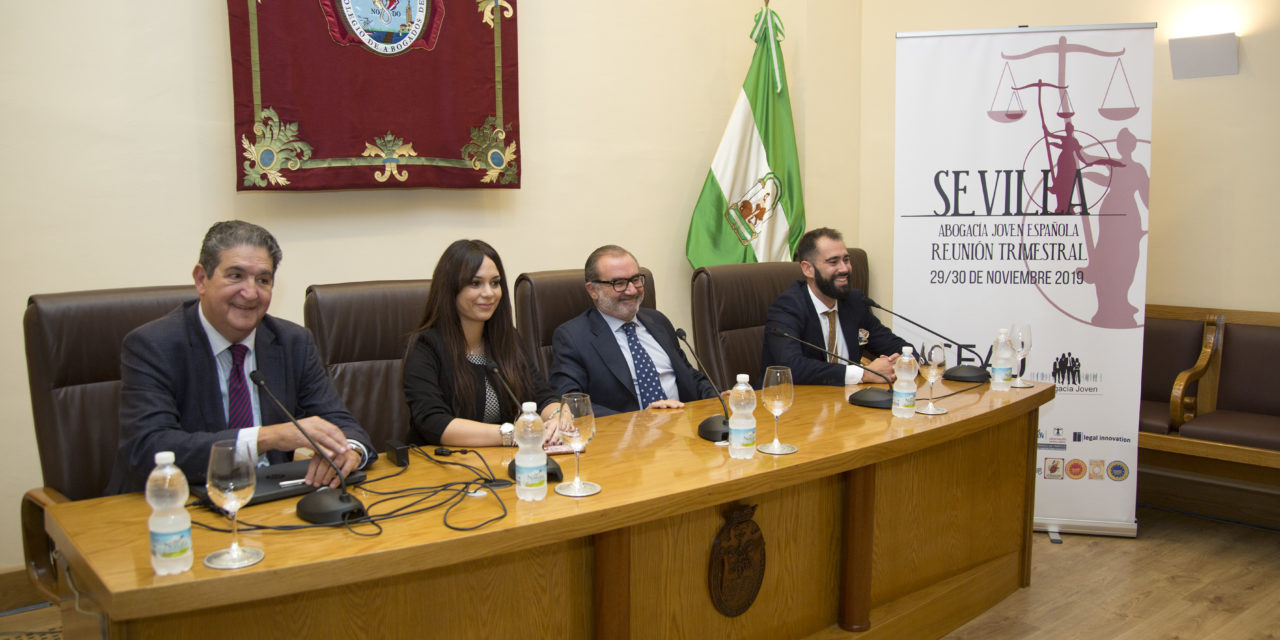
824	309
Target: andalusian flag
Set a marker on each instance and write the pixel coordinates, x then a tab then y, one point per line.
752	208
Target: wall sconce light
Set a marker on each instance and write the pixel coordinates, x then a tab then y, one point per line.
1204	56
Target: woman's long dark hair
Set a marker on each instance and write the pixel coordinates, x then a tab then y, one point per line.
455	270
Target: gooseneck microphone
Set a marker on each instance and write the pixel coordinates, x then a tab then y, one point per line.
554	473
492	367
714	428
322	506
958	373
872	397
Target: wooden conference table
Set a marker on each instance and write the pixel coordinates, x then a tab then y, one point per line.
902	527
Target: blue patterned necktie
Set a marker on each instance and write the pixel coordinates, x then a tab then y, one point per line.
647	384
239	404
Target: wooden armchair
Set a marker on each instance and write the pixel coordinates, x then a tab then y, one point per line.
1182	404
1177	353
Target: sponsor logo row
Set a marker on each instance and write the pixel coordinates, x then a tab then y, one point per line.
1077	469
1058	442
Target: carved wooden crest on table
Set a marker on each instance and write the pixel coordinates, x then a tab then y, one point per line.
737	562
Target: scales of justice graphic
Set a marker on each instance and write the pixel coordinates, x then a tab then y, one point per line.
1113	247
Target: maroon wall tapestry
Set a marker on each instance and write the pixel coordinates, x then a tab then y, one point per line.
375	94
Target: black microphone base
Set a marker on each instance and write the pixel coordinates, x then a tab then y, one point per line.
329	506
554	472
714	429
872	397
966	373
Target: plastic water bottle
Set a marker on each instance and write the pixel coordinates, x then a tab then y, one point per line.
170	523
742	421
1002	362
904	386
531	460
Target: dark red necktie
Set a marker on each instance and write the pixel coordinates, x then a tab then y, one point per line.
239	403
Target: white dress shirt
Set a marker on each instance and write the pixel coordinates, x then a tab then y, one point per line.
852	374
222	356
661	361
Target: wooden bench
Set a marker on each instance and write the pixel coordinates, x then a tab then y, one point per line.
1208	473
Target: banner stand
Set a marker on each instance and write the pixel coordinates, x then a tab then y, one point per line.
1022	173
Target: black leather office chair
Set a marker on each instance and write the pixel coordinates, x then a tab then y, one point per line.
729	304
73	369
545	300
362	330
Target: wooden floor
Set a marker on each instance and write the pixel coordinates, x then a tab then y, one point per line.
43	623
1183	577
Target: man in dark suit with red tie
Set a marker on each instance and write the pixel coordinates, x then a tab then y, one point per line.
825	310
622	355
185	376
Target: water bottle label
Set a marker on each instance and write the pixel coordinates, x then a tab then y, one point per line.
742	437
904	399
532	477
1002	373
171	545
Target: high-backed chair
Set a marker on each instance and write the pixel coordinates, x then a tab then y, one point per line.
362	330
729	303
545	300
73	369
1175	355
1248	408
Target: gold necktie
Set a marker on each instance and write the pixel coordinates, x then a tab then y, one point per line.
831	334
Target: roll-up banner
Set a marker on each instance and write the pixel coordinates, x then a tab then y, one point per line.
1022	174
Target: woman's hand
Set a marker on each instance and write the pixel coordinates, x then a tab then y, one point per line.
552	422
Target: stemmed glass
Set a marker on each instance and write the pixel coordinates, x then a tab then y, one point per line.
577	432
935	362
1020	336
778	393
230	483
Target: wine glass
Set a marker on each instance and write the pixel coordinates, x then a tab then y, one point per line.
230	483
778	394
935	362
577	432
1020	336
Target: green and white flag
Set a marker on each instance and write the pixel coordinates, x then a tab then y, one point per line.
752	208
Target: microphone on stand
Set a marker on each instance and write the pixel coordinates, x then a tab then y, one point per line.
958	373
322	506
554	472
872	397
492	367
714	428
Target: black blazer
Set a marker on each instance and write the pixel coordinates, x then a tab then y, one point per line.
170	398
427	390
793	312
588	359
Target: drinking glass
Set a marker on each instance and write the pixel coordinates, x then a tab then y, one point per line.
935	363
577	432
778	393
230	483
1020	336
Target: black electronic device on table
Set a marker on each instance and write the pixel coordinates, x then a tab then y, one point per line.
554	473
279	481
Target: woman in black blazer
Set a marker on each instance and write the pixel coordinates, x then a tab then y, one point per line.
454	396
